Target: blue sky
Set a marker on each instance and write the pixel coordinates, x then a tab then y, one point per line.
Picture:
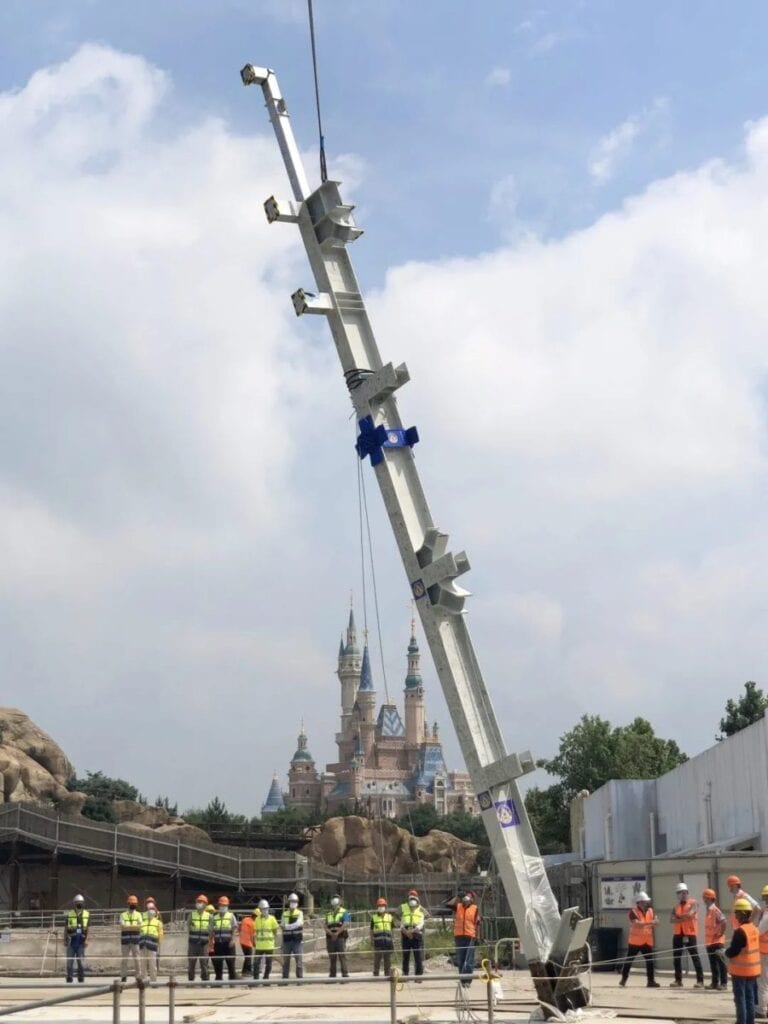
565	218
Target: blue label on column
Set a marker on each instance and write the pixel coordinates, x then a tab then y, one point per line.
506	812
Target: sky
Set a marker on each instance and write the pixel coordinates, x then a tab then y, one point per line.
565	212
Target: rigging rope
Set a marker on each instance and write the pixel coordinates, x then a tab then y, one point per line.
373	582
323	166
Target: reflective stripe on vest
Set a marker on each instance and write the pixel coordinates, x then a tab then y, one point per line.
264	933
292	934
412	917
130	927
199	924
150	934
640	927
77	923
714	926
224	925
465	921
747	963
381	922
334	917
683	927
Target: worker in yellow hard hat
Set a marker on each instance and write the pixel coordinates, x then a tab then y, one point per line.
762	931
743	956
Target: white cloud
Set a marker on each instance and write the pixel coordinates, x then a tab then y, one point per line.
614	147
177	514
498	77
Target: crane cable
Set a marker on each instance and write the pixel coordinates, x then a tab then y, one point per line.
323	166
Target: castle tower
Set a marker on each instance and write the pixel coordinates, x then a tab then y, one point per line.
415	717
304	785
274	801
348	671
365	706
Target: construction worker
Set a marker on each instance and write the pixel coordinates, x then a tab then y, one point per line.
197	937
762	930
264	940
224	931
246	942
292	925
714	940
336	931
734	886
381	937
130	934
744	962
149	941
466	927
76	938
642	922
412	933
684	918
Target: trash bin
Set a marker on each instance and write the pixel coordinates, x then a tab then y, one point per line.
605	944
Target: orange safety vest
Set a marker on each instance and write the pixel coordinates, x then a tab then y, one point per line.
747	963
465	921
685	927
714	926
641	927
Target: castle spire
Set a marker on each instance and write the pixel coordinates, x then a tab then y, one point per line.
351	647
366	677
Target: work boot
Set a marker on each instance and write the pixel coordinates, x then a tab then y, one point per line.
623	982
653	984
699	984
675	984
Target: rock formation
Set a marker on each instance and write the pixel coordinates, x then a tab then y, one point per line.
32	766
364	847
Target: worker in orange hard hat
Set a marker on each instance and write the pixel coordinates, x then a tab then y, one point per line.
734	885
714	939
130	935
381	937
199	933
224	928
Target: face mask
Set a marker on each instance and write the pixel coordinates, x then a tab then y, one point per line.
413	903
335	902
382	910
465	899
152	913
292	904
200	906
222	910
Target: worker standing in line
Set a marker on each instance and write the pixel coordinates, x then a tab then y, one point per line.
224	931
381	937
714	940
466	929
246	942
198	936
336	931
149	942
412	933
292	925
734	886
684	918
642	925
744	962
130	934
762	931
264	934
76	938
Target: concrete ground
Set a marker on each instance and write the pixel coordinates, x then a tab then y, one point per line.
354	1001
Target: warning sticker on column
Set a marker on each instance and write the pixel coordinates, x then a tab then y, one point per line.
506	812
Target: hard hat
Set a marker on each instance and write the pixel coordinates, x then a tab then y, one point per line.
133	900
642	896
381	902
763	893
681	887
732	880
79	899
224	901
412	892
263	905
710	894
293	896
742	904
202	898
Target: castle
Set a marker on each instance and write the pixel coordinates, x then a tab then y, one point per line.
385	766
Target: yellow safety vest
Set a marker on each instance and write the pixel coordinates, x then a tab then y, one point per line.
381	922
335	916
199	924
224	926
264	933
130	927
77	922
411	917
151	933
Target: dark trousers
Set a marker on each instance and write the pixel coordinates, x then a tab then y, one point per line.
717	967
745	998
197	949
337	955
647	953
293	948
465	954
382	955
247	960
76	954
223	953
679	943
413	944
262	956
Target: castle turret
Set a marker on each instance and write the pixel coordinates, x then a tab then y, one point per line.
274	801
365	705
415	718
348	672
304	784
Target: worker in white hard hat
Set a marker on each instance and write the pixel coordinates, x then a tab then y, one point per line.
76	938
292	926
264	932
684	918
642	923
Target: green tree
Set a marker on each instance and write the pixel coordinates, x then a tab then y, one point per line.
743	712
550	819
101	791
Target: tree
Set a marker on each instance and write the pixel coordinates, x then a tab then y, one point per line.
549	814
101	792
744	711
